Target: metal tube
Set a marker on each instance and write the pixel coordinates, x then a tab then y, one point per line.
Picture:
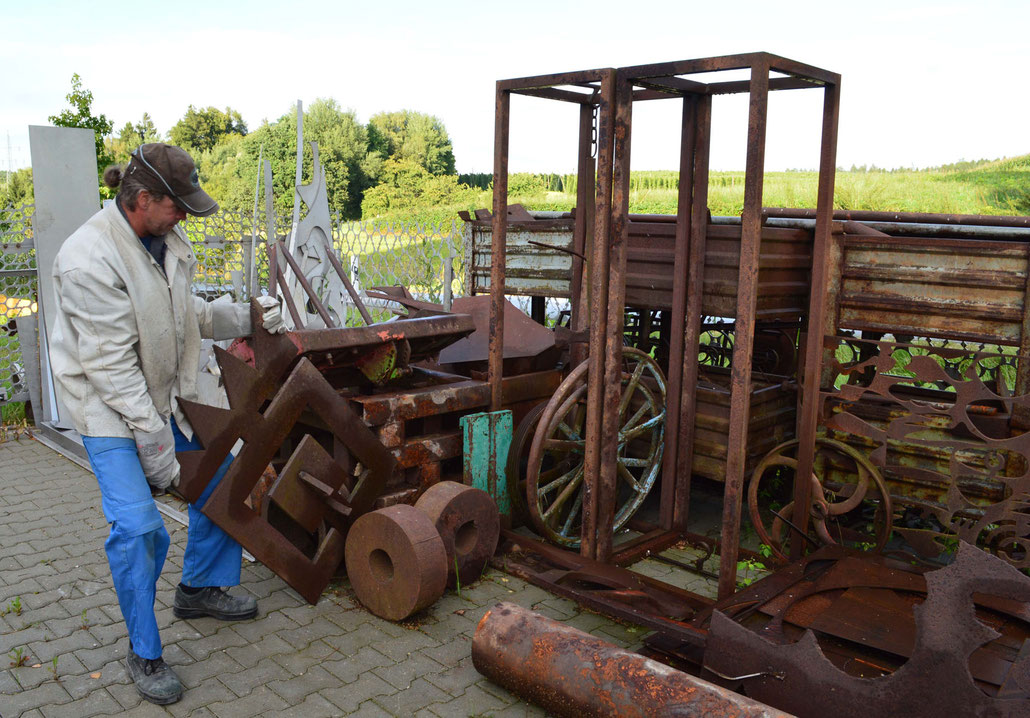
808	412
695	297
498	245
598	311
743	345
610	419
571	673
674	396
583	228
982	220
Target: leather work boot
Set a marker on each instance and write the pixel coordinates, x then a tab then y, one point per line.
213	601
154	679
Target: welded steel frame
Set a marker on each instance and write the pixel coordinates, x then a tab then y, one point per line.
613	92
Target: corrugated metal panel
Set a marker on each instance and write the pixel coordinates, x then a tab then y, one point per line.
964	289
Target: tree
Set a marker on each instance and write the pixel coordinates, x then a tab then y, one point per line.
414	136
201	129
343	153
81	115
132	136
408	187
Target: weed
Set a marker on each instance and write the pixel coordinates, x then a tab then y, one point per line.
457	577
750	568
84	621
53	668
18	657
14	606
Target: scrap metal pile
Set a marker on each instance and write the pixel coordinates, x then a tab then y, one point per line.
885	360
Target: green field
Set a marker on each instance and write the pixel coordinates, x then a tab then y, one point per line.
997	187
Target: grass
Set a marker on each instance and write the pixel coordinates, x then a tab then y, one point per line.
997	187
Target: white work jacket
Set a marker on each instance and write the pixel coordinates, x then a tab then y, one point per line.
127	336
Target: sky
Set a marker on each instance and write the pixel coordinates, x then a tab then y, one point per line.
923	83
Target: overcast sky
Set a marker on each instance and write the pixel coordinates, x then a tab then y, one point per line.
923	83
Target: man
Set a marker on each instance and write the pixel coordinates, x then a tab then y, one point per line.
125	345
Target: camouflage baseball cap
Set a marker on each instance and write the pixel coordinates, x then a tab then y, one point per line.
169	170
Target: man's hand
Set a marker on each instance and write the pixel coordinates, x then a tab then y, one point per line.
157	456
272	319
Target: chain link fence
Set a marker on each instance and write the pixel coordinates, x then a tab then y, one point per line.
232	259
17	296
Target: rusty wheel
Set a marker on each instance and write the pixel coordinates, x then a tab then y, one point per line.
554	475
829	505
518	455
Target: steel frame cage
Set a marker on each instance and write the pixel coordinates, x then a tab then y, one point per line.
602	214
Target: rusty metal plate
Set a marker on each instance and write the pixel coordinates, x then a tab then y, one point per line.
396	561
469	524
934	681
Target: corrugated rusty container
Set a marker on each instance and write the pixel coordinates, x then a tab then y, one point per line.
771	422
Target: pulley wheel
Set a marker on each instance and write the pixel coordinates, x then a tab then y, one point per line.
469	523
396	561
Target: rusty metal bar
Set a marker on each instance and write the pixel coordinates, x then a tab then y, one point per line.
280	279
743	348
498	245
598	312
692	327
814	351
608	476
338	266
312	295
587	170
551	93
582	78
775	83
570	673
684	206
982	220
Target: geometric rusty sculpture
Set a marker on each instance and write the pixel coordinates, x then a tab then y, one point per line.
966	653
263	430
396	561
469	524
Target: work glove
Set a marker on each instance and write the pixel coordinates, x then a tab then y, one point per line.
272	319
156	451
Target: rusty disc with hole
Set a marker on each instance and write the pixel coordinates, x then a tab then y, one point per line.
396	561
469	524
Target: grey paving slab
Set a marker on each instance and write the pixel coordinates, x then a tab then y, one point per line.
331	659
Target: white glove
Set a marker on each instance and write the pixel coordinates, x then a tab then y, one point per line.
156	451
272	320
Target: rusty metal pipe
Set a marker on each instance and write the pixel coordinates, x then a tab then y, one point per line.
904	229
982	220
571	673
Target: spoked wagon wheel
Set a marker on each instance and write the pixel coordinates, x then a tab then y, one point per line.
554	474
835	511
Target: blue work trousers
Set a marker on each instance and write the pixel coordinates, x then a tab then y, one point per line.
138	542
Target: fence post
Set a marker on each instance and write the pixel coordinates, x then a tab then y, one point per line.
448	271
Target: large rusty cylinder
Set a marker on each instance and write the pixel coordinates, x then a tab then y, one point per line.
396	561
469	523
570	673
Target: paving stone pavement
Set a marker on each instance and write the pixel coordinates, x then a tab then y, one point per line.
60	614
